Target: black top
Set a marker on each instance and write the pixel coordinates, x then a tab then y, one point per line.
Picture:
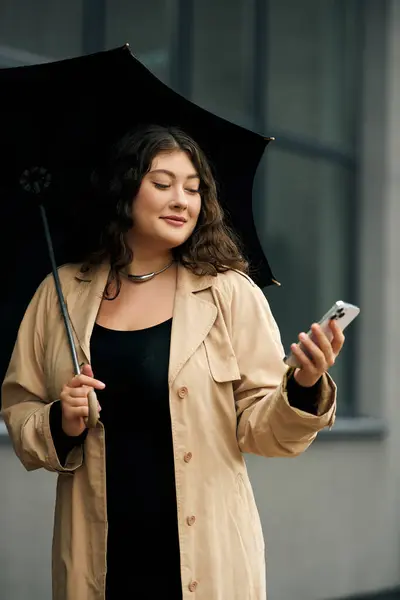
141	498
143	546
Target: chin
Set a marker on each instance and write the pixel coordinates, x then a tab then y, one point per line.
173	239
166	243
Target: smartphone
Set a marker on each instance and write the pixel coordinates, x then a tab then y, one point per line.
342	312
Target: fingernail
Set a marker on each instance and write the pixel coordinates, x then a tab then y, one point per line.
303	336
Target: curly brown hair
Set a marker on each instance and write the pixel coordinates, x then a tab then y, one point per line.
212	247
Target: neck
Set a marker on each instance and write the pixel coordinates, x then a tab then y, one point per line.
148	262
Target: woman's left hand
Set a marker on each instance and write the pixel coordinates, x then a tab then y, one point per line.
323	354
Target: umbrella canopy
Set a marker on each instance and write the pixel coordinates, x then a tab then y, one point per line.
59	121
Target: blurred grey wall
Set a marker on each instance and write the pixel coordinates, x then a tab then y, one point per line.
324	78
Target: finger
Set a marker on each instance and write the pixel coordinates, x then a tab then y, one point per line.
75	412
69	402
317	357
338	337
81	380
323	343
80	392
79	411
321	339
87	370
303	360
75	402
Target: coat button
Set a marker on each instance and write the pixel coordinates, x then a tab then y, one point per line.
188	457
191	520
182	392
192	586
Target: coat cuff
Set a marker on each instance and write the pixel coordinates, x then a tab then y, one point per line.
303	398
73	460
64	444
322	397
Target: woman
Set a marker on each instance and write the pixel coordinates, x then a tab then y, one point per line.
187	362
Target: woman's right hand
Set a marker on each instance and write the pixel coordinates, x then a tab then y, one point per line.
74	401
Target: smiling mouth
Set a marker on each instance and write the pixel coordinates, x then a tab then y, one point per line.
174	221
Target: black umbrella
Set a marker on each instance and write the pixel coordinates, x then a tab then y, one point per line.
58	121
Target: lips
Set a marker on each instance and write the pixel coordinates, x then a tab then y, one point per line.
174	218
174	221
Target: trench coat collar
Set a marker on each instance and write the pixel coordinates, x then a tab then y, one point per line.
193	316
187	281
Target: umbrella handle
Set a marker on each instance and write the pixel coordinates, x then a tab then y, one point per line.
93	407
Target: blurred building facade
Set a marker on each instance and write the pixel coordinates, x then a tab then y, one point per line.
323	77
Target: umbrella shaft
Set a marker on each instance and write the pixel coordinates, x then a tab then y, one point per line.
63	306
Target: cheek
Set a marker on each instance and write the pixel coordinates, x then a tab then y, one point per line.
195	214
145	204
195	208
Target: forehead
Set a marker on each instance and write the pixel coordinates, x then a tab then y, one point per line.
177	162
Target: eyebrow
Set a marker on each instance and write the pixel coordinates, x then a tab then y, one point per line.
171	174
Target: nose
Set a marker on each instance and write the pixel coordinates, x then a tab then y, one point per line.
179	200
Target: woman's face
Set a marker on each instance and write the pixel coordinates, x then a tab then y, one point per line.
167	205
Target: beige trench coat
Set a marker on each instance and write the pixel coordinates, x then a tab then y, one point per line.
227	397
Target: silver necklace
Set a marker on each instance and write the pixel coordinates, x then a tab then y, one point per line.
146	276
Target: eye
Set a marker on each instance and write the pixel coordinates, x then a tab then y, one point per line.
161	186
192	191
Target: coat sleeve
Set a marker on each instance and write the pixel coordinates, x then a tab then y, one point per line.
25	406
267	424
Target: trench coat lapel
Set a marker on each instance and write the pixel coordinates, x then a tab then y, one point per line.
192	320
84	306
